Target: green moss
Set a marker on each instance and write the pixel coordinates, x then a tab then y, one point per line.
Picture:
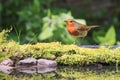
3	36
66	54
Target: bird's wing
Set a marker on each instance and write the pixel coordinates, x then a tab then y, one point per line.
83	28
79	26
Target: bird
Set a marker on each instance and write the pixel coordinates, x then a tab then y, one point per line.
77	29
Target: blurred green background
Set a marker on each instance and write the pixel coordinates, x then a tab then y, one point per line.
43	20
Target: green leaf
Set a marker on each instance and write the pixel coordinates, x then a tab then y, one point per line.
36	6
45	34
111	35
103	37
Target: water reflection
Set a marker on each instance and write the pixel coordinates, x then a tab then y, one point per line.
36	69
68	73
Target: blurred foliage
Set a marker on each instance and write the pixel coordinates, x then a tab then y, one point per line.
4	36
43	20
41	27
105	38
0	13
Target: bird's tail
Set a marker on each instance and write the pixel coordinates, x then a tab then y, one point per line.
94	26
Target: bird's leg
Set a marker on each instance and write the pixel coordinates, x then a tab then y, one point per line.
81	40
74	41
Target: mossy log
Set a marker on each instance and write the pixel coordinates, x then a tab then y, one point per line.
63	54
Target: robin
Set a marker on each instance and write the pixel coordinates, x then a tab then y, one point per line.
78	29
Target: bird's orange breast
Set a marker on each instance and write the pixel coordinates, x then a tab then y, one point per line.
72	30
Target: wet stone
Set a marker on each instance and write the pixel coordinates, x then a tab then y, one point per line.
27	62
29	65
5	66
53	57
6	69
42	66
7	62
46	63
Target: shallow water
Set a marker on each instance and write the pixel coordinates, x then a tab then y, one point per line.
67	73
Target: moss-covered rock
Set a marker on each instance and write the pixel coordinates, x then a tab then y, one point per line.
65	54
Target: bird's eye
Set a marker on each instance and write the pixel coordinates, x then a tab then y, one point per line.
71	21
